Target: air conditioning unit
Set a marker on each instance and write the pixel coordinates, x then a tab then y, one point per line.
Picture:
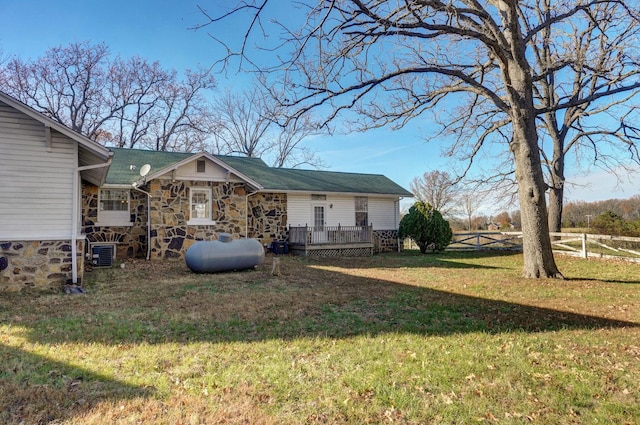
102	255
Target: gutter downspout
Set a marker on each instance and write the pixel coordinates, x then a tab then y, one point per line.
74	215
135	187
396	213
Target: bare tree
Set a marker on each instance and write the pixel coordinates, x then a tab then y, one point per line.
183	120
125	103
252	123
289	147
438	189
68	84
470	202
586	76
390	62
243	123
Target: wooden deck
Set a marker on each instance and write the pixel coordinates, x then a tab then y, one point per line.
331	241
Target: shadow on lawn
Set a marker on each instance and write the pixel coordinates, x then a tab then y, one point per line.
34	389
156	303
412	259
183	307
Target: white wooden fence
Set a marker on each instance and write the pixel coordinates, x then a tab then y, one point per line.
576	244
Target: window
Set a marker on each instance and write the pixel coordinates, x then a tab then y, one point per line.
200	166
318	197
362	210
114	207
200	206
318	218
114	200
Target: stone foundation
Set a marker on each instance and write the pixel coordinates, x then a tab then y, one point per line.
385	241
38	264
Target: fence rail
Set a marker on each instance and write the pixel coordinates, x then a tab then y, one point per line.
576	244
330	235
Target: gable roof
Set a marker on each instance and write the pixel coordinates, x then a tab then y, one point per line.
124	169
121	171
89	152
297	180
255	171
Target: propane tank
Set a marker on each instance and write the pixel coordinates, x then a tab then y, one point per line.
225	254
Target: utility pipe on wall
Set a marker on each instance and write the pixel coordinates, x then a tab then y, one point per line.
135	187
77	195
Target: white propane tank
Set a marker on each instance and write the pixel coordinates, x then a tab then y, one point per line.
225	254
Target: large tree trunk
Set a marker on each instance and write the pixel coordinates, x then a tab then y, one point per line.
538	254
556	201
536	243
557	179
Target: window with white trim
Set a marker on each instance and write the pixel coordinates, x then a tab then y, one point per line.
200	206
362	210
113	207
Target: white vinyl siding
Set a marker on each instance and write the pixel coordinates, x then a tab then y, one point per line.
340	210
384	213
298	210
36	197
212	172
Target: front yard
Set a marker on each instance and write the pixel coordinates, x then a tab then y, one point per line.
455	338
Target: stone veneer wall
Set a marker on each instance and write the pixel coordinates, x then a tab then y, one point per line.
130	241
385	241
170	234
39	264
268	217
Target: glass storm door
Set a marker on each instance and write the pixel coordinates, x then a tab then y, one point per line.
319	233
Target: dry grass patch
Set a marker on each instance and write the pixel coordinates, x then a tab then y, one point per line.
456	338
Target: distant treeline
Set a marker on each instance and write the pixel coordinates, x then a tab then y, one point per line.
610	217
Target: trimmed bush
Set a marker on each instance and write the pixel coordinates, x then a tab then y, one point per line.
426	227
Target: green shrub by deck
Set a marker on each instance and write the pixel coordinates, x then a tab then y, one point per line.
426	226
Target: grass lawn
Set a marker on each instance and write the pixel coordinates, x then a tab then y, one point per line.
455	338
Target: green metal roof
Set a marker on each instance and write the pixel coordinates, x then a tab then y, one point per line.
271	179
121	172
288	179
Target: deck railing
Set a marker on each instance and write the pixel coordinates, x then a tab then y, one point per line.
330	235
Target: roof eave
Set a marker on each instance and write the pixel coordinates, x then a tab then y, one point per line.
103	153
212	158
295	191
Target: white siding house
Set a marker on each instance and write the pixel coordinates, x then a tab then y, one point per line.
383	212
41	166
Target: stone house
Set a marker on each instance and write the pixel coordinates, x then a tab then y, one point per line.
66	200
180	198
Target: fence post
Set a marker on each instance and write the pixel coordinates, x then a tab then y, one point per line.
478	241
585	254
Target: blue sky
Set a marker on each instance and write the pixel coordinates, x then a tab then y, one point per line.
159	30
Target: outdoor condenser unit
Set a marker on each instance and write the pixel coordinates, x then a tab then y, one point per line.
102	255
